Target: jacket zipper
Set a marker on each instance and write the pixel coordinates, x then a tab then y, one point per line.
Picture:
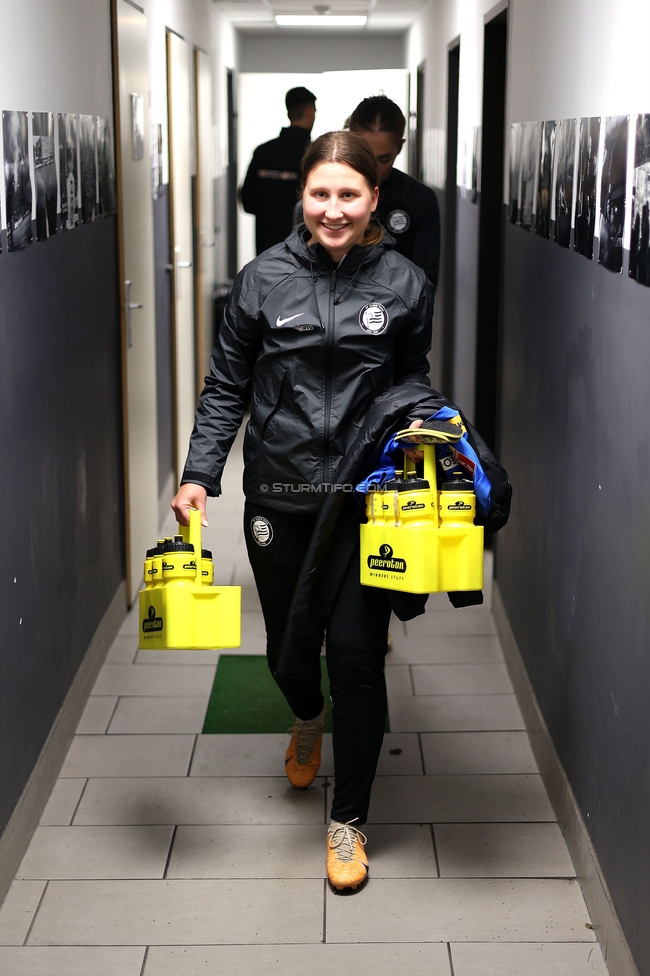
329	360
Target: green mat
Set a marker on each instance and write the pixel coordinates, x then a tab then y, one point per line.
246	699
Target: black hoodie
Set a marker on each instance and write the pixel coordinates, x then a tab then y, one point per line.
312	344
270	189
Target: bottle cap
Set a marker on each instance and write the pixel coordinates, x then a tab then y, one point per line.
156	551
206	554
180	546
396	485
459	484
416	484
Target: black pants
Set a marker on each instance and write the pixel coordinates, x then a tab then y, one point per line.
356	647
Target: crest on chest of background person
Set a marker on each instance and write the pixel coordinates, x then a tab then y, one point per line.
398	221
373	318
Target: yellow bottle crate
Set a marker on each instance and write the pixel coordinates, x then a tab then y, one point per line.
419	539
180	611
422	560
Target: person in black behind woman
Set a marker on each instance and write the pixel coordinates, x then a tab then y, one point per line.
270	188
316	329
408	208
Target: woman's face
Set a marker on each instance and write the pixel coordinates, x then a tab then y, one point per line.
337	204
386	148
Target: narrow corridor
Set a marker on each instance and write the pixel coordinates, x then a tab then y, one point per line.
153	826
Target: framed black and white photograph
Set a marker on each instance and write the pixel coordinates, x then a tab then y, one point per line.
107	195
613	184
476	163
156	159
137	126
515	172
18	183
565	150
87	168
585	222
68	170
44	174
159	146
545	179
640	239
530	139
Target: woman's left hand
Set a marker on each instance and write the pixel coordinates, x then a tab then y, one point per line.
414	454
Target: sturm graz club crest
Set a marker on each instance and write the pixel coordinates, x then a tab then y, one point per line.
398	221
262	530
373	318
386	561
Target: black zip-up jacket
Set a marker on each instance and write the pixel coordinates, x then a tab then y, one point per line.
313	344
409	209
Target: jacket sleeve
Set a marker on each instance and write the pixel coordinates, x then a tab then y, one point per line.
426	238
225	395
249	194
411	361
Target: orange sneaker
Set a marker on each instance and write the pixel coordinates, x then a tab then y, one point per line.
303	755
347	864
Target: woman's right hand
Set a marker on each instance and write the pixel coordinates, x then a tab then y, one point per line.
190	496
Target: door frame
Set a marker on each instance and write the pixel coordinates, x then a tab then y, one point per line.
203	320
117	128
420	84
182	424
231	188
489	306
451	218
139	524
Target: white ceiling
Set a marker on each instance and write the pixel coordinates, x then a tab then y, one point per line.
383	15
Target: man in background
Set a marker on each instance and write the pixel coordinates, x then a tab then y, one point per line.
273	177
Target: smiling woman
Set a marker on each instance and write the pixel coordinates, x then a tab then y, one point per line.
316	329
340	193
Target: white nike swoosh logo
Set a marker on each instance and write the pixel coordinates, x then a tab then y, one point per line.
280	322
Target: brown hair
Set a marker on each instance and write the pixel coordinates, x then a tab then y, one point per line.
378	114
354	151
297	100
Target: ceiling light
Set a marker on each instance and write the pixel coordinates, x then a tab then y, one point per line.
319	20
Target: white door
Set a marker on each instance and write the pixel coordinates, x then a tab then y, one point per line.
135	219
204	210
180	188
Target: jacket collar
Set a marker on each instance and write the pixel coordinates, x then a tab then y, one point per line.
295	133
315	254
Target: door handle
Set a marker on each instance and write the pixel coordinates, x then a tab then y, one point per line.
174	268
128	307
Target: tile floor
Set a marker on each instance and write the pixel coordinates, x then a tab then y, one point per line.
163	852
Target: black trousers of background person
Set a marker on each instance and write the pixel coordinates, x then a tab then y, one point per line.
356	648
